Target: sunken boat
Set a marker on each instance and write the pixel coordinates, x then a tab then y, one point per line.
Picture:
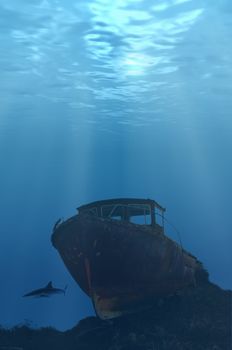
118	253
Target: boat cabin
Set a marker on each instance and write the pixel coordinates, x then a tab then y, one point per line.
137	211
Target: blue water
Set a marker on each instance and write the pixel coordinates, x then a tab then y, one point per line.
102	99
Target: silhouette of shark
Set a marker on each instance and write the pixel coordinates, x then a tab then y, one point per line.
46	292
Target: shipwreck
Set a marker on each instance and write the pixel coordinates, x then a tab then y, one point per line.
118	253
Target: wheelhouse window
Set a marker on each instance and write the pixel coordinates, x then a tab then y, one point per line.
135	213
92	211
159	217
139	214
115	212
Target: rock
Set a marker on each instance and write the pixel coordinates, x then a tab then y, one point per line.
199	319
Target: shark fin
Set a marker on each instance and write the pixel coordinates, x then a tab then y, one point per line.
49	285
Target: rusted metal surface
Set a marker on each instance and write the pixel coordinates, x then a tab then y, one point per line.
122	265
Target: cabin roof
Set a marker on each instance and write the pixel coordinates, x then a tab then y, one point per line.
121	201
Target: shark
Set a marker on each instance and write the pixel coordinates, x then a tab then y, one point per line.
46	292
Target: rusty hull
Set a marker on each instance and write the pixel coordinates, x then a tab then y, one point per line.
122	266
